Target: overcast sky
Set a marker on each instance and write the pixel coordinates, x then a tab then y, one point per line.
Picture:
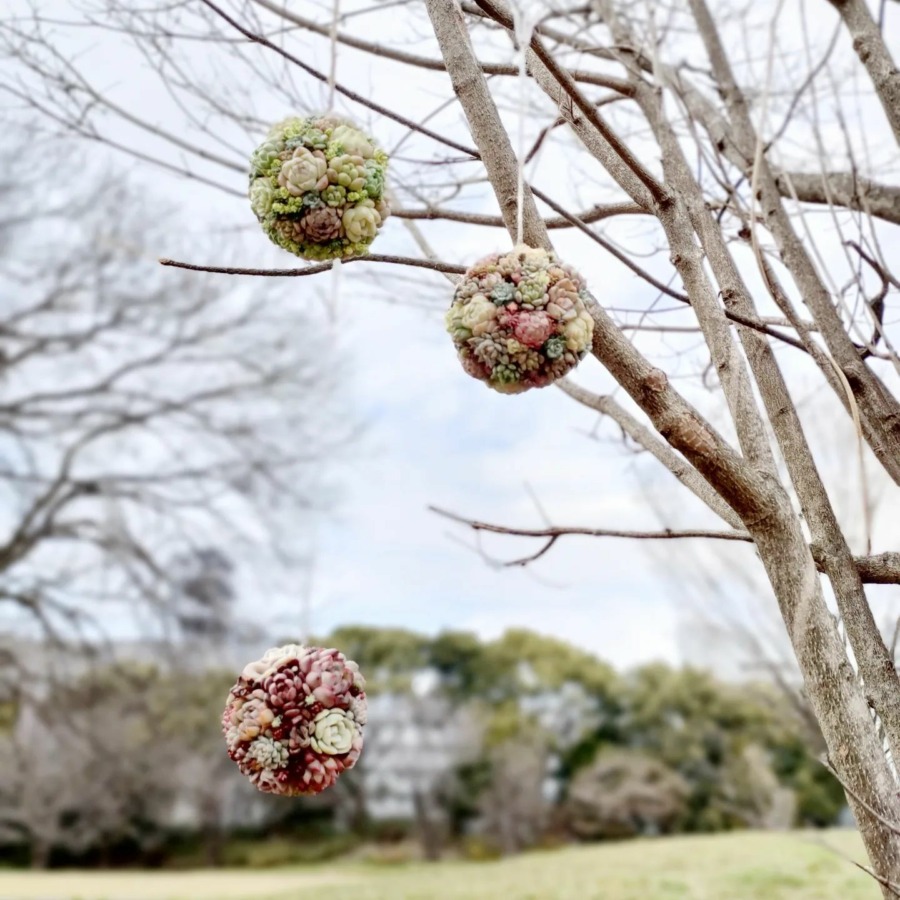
435	436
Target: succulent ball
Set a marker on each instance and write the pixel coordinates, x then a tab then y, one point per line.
294	719
317	186
519	321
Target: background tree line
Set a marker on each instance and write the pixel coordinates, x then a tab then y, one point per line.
486	747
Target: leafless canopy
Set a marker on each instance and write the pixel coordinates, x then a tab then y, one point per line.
144	415
739	160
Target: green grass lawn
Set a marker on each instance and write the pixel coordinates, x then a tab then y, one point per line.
740	866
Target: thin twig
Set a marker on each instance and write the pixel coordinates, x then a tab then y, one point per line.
558	532
434	265
340	89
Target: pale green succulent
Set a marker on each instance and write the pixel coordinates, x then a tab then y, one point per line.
353	141
269	753
347	171
315	138
555	347
533	289
262	195
454	325
478	311
334	195
578	333
503	373
334	732
374	179
361	222
503	293
264	155
304	171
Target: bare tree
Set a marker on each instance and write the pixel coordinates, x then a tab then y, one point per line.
145	419
81	770
514	805
747	146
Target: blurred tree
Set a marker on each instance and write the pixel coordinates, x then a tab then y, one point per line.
145	418
203	594
390	657
85	768
421	727
730	742
515	803
125	754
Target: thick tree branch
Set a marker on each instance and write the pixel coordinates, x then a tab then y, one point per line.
564	78
484	121
868	42
866	765
843	189
882	568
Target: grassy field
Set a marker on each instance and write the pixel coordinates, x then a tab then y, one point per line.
742	866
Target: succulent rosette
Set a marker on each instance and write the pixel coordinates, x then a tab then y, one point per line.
294	719
519	320
317	186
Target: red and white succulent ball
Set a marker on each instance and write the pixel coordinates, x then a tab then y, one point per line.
294	720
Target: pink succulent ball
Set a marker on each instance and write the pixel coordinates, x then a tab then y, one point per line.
519	320
294	720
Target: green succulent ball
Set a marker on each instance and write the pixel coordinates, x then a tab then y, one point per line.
317	187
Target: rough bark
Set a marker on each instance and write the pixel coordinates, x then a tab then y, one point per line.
843	189
484	121
868	42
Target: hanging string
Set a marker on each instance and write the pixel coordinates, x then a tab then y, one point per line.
306	597
332	79
523	26
334	297
333	34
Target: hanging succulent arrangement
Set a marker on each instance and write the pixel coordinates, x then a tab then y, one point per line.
294	720
519	321
317	186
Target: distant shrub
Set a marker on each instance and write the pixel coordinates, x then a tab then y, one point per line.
397	854
263	854
480	848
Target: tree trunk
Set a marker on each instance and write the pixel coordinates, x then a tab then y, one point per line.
430	832
40	853
835	694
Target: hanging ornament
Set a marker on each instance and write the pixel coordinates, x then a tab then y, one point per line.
518	320
294	719
317	186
